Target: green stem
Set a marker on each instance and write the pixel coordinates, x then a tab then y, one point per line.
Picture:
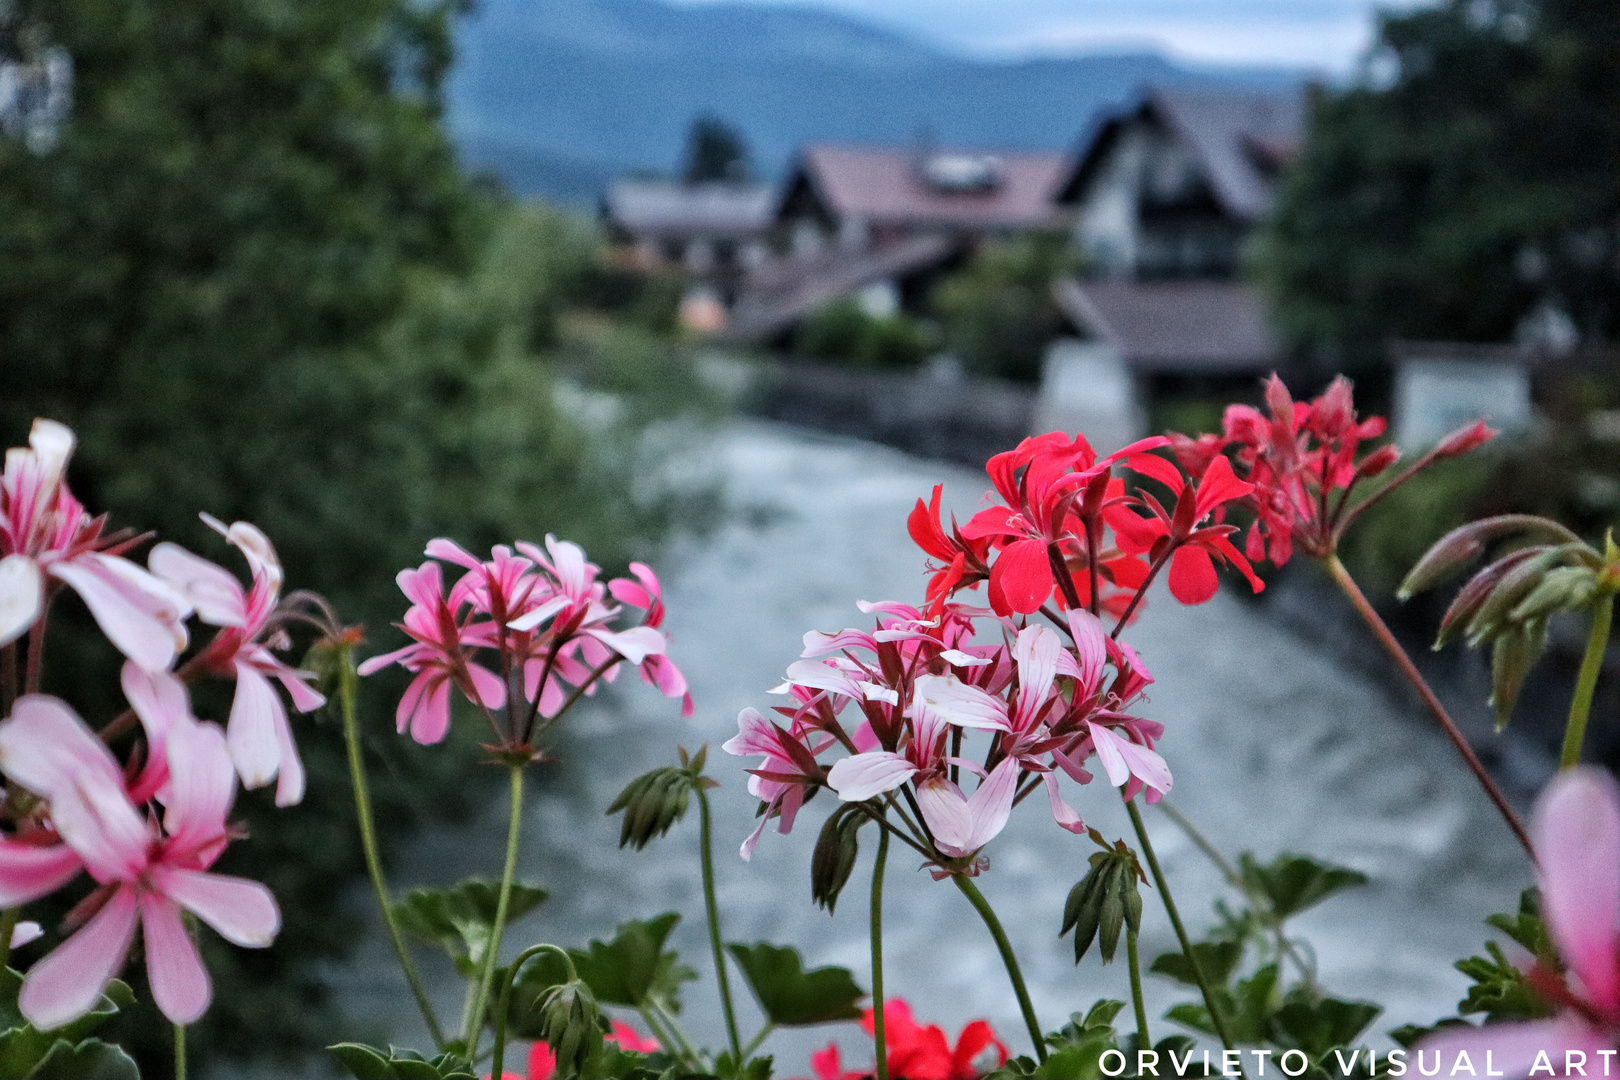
714	925
475	1020
758	1040
674	1026
982	906
504	1003
1369	615
8	923
348	693
1143	1041
179	1052
880	1034
665	1039
1586	685
1169	902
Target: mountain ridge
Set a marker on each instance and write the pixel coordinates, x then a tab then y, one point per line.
555	97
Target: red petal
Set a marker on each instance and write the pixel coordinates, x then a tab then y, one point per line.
1158	468
1192	575
1021	578
988	522
1220	485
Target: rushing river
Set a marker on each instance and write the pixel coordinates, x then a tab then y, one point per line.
1275	748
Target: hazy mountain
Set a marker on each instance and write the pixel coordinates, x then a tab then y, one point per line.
556	96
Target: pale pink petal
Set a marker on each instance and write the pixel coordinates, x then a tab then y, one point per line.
30	871
1512	1046
537	615
755	735
749	844
1108	746
158	698
1577	840
423	586
44	745
290	779
1062	813
431	720
991	804
946	812
22	596
491	691
450	551
568	562
634	644
304	698
250	540
251	735
244	912
956	702
410	701
1090	646
140	614
68	982
25	932
377	663
202	786
175	972
861	776
212	590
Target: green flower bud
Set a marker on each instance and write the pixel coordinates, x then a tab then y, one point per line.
1105	900
571	1023
835	855
652	803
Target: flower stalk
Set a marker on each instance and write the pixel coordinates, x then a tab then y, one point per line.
1008	958
504	1002
1346	583
1143	1040
348	693
713	910
879	1032
179	1052
1163	885
480	1000
1580	707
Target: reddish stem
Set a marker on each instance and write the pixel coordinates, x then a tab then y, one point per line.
1342	578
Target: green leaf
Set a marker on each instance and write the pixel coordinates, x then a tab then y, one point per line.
1292	883
1193	1016
1499	990
632	968
726	1068
793	997
370	1063
363	1062
1527	927
1255	999
91	1059
462	918
1217	959
23	1046
1317	1027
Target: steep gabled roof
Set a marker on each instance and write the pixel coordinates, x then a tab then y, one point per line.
1240	138
1176	327
958	189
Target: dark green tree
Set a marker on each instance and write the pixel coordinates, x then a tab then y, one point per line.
1471	176
246	270
715	151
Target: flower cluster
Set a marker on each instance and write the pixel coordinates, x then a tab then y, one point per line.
1048	700
148	829
1063	538
918	1052
1304	459
545	622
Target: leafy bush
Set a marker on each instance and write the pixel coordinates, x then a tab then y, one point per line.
998	311
842	330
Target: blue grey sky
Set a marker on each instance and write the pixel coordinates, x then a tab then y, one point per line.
1326	35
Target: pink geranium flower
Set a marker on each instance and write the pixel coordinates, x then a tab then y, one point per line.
45	534
146	870
259	736
1577	842
440	656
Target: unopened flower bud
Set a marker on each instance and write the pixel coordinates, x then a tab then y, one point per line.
1376	462
1563	588
1464	439
1103	901
652	803
571	1023
835	855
